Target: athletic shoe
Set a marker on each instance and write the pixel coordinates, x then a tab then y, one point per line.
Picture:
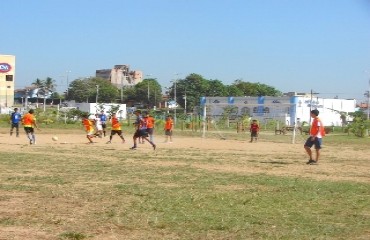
30	142
109	142
311	162
133	148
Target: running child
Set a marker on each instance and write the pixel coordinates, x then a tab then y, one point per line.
116	129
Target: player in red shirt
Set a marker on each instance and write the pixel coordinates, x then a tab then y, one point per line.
254	129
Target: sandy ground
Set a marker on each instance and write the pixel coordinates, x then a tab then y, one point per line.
336	163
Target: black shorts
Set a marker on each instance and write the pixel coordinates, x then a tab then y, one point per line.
118	132
104	125
150	131
29	130
141	133
317	142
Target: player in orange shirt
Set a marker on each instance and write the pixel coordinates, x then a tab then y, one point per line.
116	129
168	126
29	122
89	128
317	131
150	122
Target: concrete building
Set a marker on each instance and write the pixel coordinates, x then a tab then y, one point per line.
286	109
7	79
120	75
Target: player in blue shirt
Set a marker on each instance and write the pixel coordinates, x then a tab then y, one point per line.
103	119
15	119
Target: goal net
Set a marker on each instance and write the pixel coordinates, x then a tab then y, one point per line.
277	121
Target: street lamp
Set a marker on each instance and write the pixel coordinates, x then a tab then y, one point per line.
149	75
311	105
97	93
368	102
175	82
67	75
367	94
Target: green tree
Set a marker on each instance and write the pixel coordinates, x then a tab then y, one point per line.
148	92
256	89
193	86
86	90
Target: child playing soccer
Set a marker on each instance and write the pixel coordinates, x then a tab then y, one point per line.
254	129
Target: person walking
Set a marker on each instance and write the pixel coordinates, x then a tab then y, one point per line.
15	119
29	124
317	131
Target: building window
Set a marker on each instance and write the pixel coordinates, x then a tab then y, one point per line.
9	78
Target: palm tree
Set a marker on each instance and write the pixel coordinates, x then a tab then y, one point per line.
46	87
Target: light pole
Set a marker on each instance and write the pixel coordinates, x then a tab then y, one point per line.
185	103
175	95
97	93
368	102
311	105
149	75
67	75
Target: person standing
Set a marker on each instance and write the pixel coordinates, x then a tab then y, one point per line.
254	130
116	129
141	130
103	119
317	131
29	123
15	119
168	127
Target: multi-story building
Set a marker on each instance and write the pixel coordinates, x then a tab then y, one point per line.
7	77
120	75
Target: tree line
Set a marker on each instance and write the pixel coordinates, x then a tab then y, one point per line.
150	93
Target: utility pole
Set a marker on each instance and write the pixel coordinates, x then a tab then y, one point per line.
368	102
97	93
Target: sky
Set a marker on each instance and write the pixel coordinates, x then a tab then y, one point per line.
294	46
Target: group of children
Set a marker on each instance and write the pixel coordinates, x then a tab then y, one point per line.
144	125
28	121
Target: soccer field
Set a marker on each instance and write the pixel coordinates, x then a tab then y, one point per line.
194	188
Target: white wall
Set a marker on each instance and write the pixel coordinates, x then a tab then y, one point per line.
92	108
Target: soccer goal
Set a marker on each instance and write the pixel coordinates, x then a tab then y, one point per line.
274	119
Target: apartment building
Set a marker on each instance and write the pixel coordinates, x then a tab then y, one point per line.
120	75
7	77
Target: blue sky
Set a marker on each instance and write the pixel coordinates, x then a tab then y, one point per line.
292	45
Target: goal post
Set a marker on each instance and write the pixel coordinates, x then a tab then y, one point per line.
280	113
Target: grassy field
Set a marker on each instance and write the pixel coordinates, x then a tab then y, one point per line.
191	189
